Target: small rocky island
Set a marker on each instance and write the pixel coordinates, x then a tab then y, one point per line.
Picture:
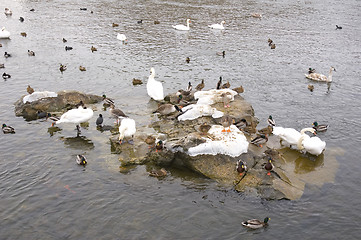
213	153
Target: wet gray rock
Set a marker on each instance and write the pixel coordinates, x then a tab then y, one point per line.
63	102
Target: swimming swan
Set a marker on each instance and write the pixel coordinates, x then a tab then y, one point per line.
182	27
320	77
218	26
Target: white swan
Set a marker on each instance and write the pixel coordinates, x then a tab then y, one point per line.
218	26
77	116
182	27
121	37
195	111
38	95
154	88
289	135
320	77
4	33
313	145
232	144
213	96
126	129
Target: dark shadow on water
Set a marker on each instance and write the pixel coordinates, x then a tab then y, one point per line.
78	142
53	130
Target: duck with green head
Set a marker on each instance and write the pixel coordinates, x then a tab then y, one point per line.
7	129
319	127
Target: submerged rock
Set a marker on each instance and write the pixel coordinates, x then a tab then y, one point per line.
59	102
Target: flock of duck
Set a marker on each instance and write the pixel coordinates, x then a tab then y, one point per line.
127	127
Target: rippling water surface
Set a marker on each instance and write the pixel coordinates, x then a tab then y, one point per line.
45	195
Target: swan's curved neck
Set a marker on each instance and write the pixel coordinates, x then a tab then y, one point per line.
299	143
307	130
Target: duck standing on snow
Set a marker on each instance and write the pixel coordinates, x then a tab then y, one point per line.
126	129
182	27
255	223
7	129
320	77
76	116
226	122
218	26
154	88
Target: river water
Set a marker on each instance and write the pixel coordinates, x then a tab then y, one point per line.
44	194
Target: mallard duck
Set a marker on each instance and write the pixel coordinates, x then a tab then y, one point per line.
7	55
267	130
68	48
116	113
77	116
259	140
319	127
137	81
273	46
32	10
52	118
154	88
99	120
226	98
93	49
189	87
126	129
121	37
140	21
159	146
320	77
62	68
200	86
223	53
107	101
8	12
338	27
218	26
4	33
270	121
255	223
115	25
158	173
81	160
31	53
270	41
182	27
226	122
269	166
310	87
219	83
226	85
241	124
21	19
311	70
6	76
312	145
166	109
81	68
239	89
2	65
204	128
23	34
256	15
64	40
188	59
156	22
7	129
241	167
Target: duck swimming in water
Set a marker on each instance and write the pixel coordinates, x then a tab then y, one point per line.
255	223
7	129
319	127
81	160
